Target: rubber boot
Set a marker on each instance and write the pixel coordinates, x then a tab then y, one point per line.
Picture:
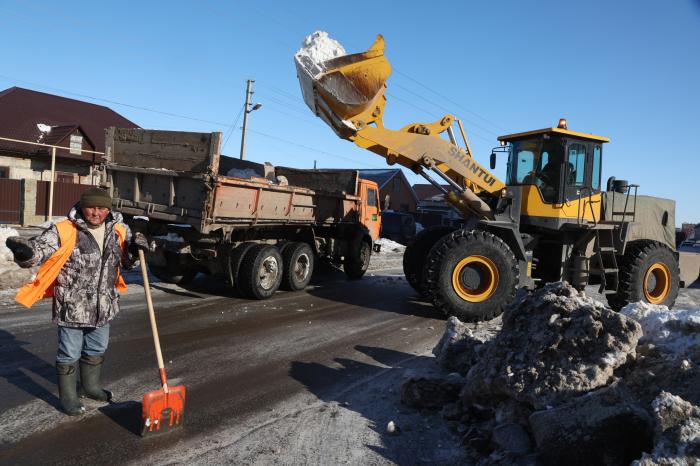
67	389
90	368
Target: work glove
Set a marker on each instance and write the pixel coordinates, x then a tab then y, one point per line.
20	248
138	241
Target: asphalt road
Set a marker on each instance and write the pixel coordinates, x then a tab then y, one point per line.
242	362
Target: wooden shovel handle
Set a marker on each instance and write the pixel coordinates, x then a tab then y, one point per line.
152	316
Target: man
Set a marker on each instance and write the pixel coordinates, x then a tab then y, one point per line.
81	260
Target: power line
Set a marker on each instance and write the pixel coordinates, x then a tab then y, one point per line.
232	127
354	161
113	102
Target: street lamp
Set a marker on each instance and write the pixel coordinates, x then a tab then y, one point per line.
246	110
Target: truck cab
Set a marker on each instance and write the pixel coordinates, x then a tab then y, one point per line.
370	215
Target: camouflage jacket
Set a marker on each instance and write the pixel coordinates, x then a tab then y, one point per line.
85	293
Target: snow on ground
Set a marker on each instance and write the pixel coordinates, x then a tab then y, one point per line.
6	254
673	331
390	245
11	275
51	222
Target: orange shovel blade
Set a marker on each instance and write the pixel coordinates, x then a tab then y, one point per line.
162	411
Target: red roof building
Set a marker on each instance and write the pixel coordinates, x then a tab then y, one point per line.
50	119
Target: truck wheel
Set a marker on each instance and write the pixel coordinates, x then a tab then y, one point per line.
178	276
297	266
355	267
261	272
235	261
472	275
416	253
648	272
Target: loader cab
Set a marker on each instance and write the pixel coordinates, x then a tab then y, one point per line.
557	168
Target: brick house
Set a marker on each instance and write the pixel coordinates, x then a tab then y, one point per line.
39	117
395	192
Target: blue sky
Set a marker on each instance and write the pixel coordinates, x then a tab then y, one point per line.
628	70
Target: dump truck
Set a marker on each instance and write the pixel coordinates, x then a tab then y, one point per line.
258	226
552	218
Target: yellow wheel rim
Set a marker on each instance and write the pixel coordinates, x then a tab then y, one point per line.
657	283
475	278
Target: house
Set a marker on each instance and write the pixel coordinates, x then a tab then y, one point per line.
395	192
34	116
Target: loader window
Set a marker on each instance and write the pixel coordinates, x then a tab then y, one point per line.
595	183
576	168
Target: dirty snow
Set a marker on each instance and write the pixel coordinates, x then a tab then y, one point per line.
319	47
52	222
5	253
11	275
673	332
173	237
244	173
390	245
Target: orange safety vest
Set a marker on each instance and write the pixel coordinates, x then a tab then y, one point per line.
42	286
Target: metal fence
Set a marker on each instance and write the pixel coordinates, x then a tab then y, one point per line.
65	195
10	201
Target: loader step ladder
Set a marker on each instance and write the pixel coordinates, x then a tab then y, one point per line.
604	260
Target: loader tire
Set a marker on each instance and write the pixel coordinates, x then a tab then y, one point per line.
649	272
472	275
416	254
297	266
235	261
356	265
261	272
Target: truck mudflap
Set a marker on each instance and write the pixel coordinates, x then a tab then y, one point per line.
689	263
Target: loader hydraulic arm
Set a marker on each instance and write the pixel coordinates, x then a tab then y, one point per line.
348	93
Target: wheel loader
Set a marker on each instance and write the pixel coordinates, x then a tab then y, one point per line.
552	219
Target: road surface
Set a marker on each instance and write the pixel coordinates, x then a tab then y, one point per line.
305	377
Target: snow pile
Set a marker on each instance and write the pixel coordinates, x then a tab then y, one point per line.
53	221
244	173
316	49
673	332
554	344
389	245
172	237
11	275
677	432
5	253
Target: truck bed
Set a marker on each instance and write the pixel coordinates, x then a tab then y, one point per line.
176	177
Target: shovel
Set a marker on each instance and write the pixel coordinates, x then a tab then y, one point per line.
162	409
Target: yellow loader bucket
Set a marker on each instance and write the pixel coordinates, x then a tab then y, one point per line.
347	84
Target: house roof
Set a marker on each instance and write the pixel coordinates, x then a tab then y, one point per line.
426	190
24	113
382	176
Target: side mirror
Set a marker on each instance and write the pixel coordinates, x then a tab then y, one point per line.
492	163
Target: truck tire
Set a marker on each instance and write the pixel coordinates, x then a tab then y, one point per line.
173	272
472	275
235	261
649	272
297	266
356	265
416	254
261	272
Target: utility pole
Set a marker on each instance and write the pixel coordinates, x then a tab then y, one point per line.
246	110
